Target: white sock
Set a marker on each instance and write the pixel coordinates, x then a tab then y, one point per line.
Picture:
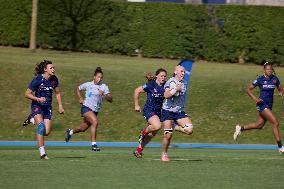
41	150
93	143
32	120
71	132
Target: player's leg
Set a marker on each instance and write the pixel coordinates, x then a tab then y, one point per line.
147	134
268	114
81	128
184	124
168	131
40	135
255	125
92	118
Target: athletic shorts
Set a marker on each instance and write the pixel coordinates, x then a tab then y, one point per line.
168	115
148	113
45	111
85	109
262	106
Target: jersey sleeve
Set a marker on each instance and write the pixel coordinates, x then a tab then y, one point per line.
256	82
34	84
277	82
83	86
170	84
106	90
146	87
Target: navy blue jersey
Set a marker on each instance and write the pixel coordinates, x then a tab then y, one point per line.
267	86
155	95
43	88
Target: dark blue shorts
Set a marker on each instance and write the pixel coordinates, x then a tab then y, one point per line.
85	109
148	113
168	115
262	106
45	111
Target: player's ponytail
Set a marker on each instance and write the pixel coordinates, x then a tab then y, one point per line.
98	70
149	76
39	69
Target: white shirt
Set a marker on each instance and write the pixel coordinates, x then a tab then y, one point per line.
177	102
93	98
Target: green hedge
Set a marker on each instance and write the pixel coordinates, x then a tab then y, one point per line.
218	33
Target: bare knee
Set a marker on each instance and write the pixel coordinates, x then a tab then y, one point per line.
275	124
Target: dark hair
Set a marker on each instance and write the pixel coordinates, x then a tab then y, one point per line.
98	70
39	69
269	64
149	76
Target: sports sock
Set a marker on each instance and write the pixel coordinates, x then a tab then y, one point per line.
32	120
71	132
139	149
94	143
279	143
41	150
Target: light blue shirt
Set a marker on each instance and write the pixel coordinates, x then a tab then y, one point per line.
93	98
176	103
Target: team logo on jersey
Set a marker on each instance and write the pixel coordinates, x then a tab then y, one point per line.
265	82
274	81
36	109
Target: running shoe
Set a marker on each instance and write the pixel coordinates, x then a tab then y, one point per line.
237	132
165	157
44	156
27	121
281	150
68	136
95	148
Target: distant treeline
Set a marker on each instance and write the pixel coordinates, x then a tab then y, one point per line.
216	33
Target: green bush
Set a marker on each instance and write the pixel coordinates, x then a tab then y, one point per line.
166	30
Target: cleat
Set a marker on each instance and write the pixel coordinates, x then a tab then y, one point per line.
68	136
137	154
44	156
27	121
237	132
281	150
95	148
165	157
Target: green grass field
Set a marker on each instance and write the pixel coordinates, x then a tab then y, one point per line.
217	99
117	168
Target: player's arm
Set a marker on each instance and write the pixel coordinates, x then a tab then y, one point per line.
280	90
78	93
59	100
172	90
108	97
137	92
29	95
251	95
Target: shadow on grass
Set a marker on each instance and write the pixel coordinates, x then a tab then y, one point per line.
70	157
178	159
